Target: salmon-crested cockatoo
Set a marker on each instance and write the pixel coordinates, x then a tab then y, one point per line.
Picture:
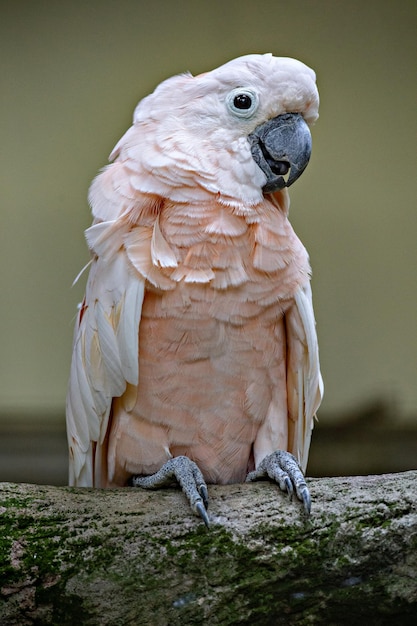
195	353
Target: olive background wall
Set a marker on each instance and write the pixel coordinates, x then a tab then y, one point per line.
71	74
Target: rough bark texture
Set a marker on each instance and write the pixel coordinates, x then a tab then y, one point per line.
78	556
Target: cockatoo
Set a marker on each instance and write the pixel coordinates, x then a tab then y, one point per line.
195	355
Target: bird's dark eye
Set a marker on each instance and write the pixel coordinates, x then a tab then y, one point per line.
242	102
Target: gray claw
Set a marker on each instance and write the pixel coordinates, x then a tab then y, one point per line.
304	496
203	491
282	467
288	486
189	477
201	510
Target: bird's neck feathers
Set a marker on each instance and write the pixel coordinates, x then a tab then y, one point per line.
211	243
208	241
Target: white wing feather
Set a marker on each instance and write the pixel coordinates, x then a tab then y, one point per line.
304	381
105	353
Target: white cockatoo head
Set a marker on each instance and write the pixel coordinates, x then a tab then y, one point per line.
238	132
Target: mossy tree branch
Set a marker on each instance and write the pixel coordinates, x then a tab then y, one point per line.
74	556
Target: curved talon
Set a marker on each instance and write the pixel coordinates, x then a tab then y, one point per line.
304	496
203	491
189	477
288	486
283	468
201	511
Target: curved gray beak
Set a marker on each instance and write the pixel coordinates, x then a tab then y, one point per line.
281	147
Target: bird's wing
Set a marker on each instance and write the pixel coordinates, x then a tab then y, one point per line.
105	350
304	382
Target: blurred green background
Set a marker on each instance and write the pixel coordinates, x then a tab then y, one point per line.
71	75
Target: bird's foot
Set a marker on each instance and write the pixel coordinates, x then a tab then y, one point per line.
283	468
189	477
